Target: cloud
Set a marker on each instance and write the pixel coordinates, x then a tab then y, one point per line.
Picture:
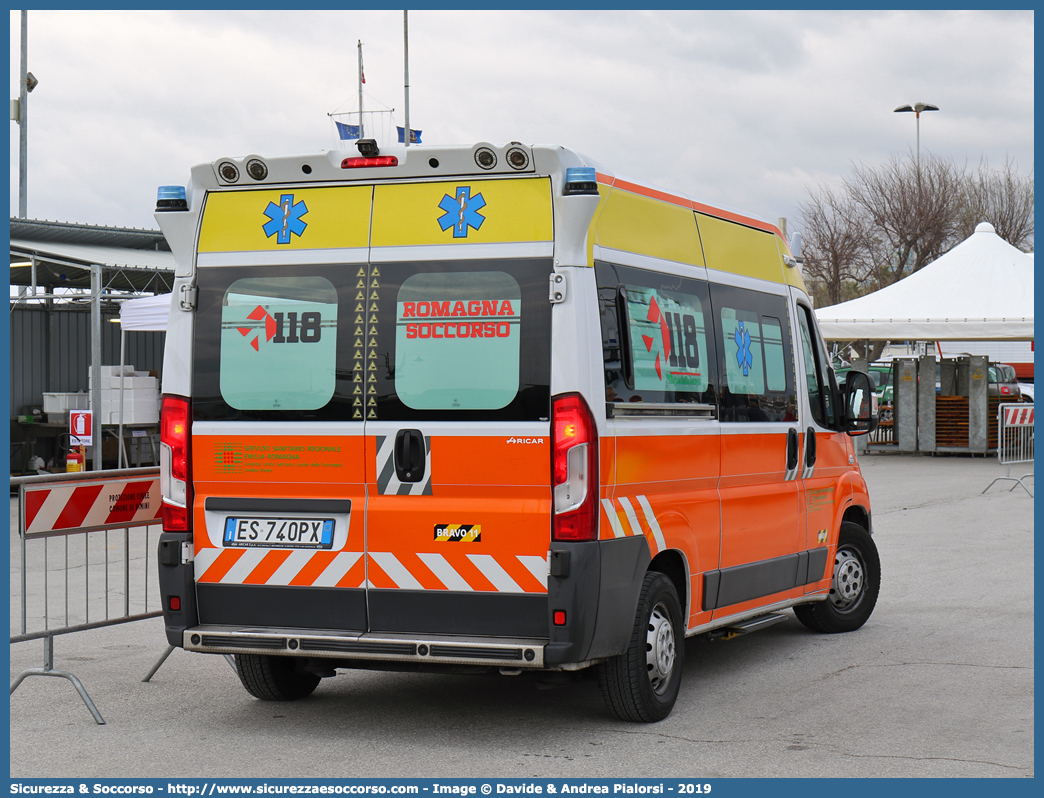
741	108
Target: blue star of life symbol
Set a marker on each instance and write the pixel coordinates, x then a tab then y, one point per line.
285	218
743	356
462	211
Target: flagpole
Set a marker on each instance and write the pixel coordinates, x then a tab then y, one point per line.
361	132
406	67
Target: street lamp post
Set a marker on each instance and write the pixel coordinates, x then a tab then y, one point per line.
917	108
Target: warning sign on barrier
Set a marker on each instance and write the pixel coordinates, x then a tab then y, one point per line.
86	505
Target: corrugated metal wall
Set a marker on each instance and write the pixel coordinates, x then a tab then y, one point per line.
51	351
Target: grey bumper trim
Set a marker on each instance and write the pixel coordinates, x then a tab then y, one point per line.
442	649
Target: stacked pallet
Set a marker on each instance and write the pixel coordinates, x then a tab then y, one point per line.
951	421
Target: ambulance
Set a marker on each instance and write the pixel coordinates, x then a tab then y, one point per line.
494	408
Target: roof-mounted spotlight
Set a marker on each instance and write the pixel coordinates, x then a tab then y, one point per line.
368	148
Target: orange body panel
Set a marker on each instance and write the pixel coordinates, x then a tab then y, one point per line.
500	490
761	514
275	466
668	484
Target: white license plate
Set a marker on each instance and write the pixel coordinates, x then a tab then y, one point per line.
280	533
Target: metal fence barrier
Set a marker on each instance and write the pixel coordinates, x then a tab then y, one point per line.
84	543
1014	442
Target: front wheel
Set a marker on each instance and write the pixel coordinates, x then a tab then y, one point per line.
642	683
853	588
274	678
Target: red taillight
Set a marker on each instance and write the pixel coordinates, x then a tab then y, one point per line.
379	160
175	603
175	423
574	470
1005	390
560	618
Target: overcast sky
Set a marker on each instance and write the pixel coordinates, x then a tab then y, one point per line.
741	109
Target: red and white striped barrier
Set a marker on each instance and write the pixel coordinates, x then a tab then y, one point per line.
1015	416
83	506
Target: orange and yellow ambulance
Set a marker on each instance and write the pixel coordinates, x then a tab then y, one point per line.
494	407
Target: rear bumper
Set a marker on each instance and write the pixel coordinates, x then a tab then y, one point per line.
367	646
594	585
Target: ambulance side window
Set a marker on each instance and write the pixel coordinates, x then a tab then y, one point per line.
657	346
756	356
820	397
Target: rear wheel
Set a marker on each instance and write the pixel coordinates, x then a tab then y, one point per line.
853	588
642	683
274	678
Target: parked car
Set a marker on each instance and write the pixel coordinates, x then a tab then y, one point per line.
1004	383
880	374
1026	389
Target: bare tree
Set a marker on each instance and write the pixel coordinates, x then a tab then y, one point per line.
835	246
912	210
888	221
1004	198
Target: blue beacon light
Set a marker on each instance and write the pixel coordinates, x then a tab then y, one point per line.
580	180
171	198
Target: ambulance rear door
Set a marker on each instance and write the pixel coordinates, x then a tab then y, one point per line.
278	462
456	344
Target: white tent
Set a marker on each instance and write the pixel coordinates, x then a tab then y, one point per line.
982	289
147	313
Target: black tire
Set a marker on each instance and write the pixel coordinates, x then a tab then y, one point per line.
274	678
642	683
854	588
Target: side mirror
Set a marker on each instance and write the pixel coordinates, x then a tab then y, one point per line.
860	404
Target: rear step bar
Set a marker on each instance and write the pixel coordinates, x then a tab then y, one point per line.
517	653
746	627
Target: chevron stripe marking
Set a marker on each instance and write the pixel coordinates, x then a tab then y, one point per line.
495	573
220	565
650	519
309	571
269	564
244	566
632	517
337	573
445	572
613	517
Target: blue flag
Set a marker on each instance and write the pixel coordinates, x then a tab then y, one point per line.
347	132
414	135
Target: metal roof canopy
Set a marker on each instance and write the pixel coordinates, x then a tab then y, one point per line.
90	258
131	260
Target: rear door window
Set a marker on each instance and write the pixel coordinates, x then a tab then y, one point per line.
398	341
458	341
462	340
278	343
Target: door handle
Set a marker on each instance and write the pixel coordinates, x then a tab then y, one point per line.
410	455
810	447
792	449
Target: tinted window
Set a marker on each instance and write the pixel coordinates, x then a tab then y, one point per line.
655	340
278	343
397	341
756	358
457	341
820	396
